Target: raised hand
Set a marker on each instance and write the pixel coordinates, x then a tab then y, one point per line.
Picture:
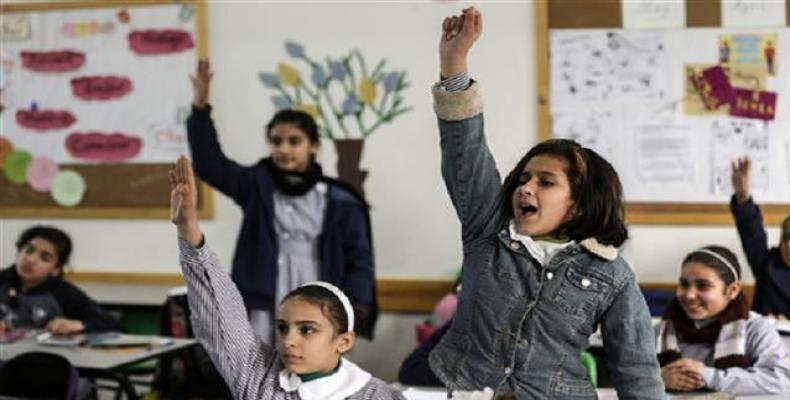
740	179
200	83
183	202
459	33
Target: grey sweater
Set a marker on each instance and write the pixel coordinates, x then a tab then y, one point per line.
250	368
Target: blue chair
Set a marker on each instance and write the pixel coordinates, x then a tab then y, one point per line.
657	300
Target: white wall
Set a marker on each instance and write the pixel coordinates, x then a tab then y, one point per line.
415	229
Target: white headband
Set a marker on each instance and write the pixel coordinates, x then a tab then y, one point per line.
722	259
340	296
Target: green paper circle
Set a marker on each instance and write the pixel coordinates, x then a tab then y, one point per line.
16	166
68	188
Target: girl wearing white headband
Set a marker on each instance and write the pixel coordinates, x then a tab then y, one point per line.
709	339
315	324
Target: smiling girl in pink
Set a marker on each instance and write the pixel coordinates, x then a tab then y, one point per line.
709	339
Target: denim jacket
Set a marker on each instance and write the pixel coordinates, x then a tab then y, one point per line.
521	327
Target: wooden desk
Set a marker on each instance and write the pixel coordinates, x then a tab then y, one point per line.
96	363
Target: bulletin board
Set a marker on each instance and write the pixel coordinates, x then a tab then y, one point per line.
671	149
95	96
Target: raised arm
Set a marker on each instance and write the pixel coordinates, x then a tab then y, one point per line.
748	218
217	311
211	164
468	169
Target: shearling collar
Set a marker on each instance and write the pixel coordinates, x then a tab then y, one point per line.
604	251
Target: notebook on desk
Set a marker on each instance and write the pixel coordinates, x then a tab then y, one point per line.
49	339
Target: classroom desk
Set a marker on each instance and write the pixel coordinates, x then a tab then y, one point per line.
96	363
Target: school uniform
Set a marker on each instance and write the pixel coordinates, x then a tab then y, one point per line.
37	306
286	240
251	369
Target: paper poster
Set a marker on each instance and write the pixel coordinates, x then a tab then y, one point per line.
734	138
596	130
15	165
41	173
600	69
14	27
108	84
756	104
5	148
752	13
68	188
664	152
750	49
653	14
742	76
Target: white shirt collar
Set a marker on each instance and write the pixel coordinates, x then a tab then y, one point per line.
348	380
540	250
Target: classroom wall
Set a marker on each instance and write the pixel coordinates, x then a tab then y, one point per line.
415	229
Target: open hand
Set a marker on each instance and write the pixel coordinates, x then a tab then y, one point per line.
740	178
459	33
200	83
183	201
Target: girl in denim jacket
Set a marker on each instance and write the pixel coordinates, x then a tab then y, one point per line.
541	270
709	339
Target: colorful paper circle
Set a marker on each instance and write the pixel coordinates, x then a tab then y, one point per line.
68	188
15	165
5	148
41	172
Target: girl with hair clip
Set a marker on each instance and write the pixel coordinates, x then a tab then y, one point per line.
709	339
315	324
541	268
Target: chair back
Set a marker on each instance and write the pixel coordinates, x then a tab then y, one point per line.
39	375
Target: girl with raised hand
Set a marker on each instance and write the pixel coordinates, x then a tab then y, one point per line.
315	324
708	339
299	225
541	268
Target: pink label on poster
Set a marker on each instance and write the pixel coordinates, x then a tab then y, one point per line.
52	61
100	87
45	120
719	83
102	146
41	172
164	41
756	104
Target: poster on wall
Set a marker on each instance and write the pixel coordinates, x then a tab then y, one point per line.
98	86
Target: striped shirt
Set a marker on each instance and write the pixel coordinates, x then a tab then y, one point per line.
250	368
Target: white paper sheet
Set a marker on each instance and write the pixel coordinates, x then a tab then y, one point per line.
653	14
664	152
594	129
733	138
752	13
